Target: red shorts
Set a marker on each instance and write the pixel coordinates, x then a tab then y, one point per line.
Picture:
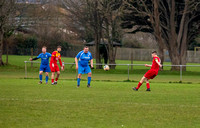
150	74
55	68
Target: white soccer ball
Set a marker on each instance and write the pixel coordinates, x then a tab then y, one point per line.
106	67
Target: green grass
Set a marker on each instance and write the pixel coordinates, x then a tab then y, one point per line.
24	103
110	103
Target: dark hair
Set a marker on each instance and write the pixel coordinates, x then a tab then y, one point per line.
85	47
154	52
59	46
44	47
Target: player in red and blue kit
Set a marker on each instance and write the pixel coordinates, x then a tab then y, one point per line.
82	59
150	74
44	67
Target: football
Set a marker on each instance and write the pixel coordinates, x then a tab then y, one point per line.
106	68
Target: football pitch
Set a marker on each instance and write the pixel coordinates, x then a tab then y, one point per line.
109	103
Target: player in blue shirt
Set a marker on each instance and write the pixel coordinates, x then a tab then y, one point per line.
82	59
44	66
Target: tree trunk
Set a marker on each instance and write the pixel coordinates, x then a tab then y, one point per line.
161	55
174	53
97	30
184	45
97	51
112	54
157	29
110	48
7	44
1	48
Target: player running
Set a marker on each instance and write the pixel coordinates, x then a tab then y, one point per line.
151	73
44	66
54	66
82	65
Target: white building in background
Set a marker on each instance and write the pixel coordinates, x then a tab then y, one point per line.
34	1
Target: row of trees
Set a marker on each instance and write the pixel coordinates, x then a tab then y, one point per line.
174	23
7	8
100	19
44	22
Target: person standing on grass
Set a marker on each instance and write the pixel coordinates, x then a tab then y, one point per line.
54	66
82	59
150	74
44	66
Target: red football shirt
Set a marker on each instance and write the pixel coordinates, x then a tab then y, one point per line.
55	57
155	66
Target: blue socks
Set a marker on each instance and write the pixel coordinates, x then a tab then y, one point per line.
47	78
78	81
40	76
89	80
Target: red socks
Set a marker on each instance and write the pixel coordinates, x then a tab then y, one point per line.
138	86
148	85
52	80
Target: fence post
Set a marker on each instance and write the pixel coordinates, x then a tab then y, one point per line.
31	57
181	72
131	60
128	71
25	69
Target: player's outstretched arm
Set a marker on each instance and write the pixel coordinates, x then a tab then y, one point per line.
147	65
31	59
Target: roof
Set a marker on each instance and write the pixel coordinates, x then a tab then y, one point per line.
103	42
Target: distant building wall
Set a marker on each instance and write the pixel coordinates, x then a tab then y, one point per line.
145	55
122	53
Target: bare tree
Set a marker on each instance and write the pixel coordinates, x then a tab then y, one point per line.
111	25
7	8
101	17
86	16
171	22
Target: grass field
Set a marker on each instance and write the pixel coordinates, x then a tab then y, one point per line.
110	103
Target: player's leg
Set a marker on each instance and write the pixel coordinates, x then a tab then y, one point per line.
47	77
57	70
140	83
79	80
52	74
58	74
42	68
88	71
47	70
52	77
148	85
89	79
40	77
80	72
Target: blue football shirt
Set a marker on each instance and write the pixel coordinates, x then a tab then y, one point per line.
84	58
44	58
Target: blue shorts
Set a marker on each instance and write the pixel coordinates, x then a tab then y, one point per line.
83	69
44	68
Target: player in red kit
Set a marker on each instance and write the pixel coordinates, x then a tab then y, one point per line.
150	74
54	66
